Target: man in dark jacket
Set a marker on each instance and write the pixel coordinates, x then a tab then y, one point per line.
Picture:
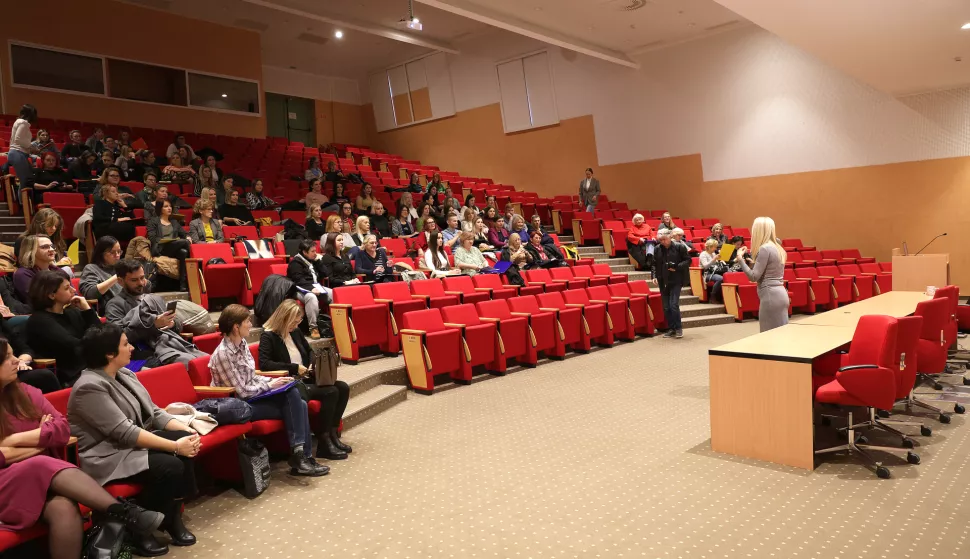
671	266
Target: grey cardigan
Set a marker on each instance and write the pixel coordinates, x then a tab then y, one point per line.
106	416
155	232
91	276
197	231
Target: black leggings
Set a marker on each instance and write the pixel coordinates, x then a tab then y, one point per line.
178	250
333	402
168	479
44	380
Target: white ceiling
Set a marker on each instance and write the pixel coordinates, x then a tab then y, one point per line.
897	46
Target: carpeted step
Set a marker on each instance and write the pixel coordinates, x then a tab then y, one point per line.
701	309
369	374
619	269
705	320
605	259
373	402
590	249
567	239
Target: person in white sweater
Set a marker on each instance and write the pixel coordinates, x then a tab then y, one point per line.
711	269
20	148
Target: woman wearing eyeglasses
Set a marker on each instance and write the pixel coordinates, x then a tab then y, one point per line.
98	279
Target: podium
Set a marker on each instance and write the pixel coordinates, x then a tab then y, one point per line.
916	273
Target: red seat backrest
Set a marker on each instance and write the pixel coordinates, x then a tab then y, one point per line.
599	293
935	313
242	231
602	270
59	399
576	296
551	300
199	371
354	295
167	384
833	254
461	283
584	271
794	243
72	199
871	268
851	253
430	287
428	320
829	270
737	278
561	273
499	308
812	255
525	303
491	281
621	289
207	251
466	314
395	291
852	269
794	256
804	273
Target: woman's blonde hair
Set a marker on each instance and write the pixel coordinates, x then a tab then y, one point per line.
309	210
330	222
711	243
38	226
105	187
28	250
283	316
763	234
516	221
466	236
368	238
360	223
717	225
206	193
406	200
201	205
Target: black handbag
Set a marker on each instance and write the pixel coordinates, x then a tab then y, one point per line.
106	541
254	465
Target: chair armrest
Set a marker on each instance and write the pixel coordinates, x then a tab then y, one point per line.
488	319
539	283
827	277
339	306
856	367
575	305
385	301
485	289
523	314
454	325
599	301
272	374
458	293
92	302
413	332
415	296
621	298
44	362
214	391
548	309
187	336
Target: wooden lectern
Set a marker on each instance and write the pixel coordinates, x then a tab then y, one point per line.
916	273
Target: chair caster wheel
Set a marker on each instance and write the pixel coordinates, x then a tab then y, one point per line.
944	418
861	439
912	458
966	381
908	442
882	472
925	431
883	413
959	408
937	386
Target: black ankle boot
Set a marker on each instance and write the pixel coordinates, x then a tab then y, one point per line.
335	437
135	518
175	528
146	545
326	449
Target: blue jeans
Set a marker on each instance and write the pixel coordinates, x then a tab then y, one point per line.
590	208
291	408
716	288
671	303
20	161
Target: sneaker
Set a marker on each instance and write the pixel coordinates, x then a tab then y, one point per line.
669	334
679	334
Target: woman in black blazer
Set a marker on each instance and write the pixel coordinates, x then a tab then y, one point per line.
283	347
339	270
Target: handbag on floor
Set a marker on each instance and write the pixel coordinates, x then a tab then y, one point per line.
254	465
324	361
106	540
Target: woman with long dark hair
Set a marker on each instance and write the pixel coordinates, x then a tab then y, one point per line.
338	269
168	238
98	279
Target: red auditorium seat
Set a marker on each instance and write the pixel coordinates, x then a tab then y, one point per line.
465	289
815	258
604	271
821	290
208	342
207	281
639	306
399	300
594	318
835	255
541	278
550	335
241	232
800	292
613	234
564	274
863	280
483	343
359	321
740	295
430	349
518	341
857	289
592	278
883	279
789	244
498	290
654	298
621	322
434	293
840	288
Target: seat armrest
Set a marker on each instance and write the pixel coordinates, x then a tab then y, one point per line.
187	336
416	296
575	305
489	319
272	374
413	332
458	293
621	298
485	289
214	391
44	362
599	302
522	314
548	309
856	367
454	325
339	306
385	301
539	283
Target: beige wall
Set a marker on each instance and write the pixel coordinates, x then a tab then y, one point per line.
114	29
872	208
339	122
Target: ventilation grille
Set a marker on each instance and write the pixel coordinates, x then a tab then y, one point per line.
250	24
311	38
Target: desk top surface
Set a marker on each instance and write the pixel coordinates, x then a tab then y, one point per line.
803	341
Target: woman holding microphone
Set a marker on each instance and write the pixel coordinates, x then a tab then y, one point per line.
768	272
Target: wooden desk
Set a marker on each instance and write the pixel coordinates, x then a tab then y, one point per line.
761	386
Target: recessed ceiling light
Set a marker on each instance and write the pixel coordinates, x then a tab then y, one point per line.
224	96
415	20
966	26
338	34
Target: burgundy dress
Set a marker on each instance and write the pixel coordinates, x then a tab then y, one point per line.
24	484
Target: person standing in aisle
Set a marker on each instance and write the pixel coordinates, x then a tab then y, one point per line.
768	272
589	191
671	266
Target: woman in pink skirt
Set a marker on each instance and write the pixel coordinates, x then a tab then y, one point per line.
34	485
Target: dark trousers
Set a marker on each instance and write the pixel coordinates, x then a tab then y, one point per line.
178	250
333	402
168	478
671	303
20	162
42	379
289	407
716	288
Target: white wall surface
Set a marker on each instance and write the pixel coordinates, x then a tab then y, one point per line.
310	86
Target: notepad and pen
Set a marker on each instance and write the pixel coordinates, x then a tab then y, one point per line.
272	392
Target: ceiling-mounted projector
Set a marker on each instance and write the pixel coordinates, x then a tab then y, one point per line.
413	24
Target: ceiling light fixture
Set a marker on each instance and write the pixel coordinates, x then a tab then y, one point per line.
410	21
224	96
966	26
338	34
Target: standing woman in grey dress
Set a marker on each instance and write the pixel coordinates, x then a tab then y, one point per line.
768	272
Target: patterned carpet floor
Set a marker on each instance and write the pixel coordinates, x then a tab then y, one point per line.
603	455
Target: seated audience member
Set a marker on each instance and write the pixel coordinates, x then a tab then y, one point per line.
365	200
712	268
414	185
334	225
371	260
717	233
307	272
51	178
147	165
361	230
316	195
112	176
39	487
333	175
169	239
336	268
498	235
431	198
210	195
123	436
94	141
408	201
73	148
283	347
401	226
13	326
205	229
516	253
98	279
347	216
82	170
489	215
60	317
153	192
126	162
509	215
435	258
178	171
315	226
232	366
47	222
337	200
677	236
112	217
734	263
222	193
490	201
480	230
437	183
468	258
470	203
424	214
420	243
234	213
468	220
519	228
178	144
379	224
105	159
640	242
37	254
543	255
257	200
313	171
666	222
43	144
535	224
210	164
145	320
205	180
452	234
450	204
111	148
124	138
